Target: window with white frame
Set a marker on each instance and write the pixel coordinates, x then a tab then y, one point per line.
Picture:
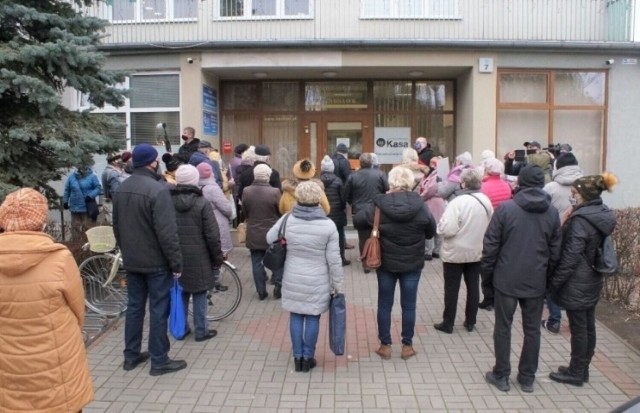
409	9
257	9
153	10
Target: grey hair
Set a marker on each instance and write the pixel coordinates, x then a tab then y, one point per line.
308	193
263	158
465	158
401	178
493	167
409	155
471	178
250	154
366	160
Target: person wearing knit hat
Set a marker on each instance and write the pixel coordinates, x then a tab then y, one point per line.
575	283
262	173
342	164
565	174
312	270
171	163
23	210
521	245
260	208
205	170
42	307
303	170
143	155
199	244
187	175
144	224
337	206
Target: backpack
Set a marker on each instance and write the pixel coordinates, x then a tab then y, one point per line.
606	262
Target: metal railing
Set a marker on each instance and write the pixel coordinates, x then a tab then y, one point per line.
348	21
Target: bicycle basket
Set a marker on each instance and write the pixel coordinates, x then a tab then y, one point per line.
101	239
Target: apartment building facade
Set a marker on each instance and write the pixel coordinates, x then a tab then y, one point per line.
304	75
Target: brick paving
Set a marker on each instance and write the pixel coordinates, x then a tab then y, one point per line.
248	367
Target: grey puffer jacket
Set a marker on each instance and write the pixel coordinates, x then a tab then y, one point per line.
199	238
574	283
313	266
560	187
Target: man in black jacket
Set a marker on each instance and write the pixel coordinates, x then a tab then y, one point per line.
191	144
425	153
263	156
521	247
361	188
144	223
341	162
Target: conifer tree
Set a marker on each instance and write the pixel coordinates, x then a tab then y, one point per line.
45	47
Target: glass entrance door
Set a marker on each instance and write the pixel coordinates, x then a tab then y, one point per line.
347	133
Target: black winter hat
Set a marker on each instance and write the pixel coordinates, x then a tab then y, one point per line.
531	176
566	159
239	149
171	162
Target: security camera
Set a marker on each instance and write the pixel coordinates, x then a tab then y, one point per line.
190	60
609	62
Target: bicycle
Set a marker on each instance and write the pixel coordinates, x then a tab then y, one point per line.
221	304
105	284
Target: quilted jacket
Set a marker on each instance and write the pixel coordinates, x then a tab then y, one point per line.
44	365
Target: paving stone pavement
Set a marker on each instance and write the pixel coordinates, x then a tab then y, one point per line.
248	367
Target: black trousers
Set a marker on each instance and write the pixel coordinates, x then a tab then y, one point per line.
582	324
453	273
505	307
341	240
487	288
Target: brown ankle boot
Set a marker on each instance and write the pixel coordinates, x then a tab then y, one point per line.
407	352
384	351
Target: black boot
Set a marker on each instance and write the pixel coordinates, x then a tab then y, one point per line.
585	375
298	364
567	377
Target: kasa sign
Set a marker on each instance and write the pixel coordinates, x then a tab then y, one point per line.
389	143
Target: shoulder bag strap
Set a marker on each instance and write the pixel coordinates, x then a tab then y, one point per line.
283	227
481	203
376	223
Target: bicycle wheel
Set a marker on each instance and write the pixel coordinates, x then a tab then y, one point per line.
221	304
109	299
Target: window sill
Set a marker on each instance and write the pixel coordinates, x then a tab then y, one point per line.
261	18
158	21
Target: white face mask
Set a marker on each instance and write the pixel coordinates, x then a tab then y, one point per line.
573	201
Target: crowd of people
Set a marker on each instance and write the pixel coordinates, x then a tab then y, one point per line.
519	242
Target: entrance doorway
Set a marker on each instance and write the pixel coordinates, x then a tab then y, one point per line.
325	133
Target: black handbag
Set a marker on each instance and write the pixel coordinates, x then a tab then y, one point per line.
275	256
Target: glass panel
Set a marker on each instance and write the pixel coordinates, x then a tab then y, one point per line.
154	9
118	130
240	128
296	7
523	88
349	133
434	96
335	96
263	8
123	10
143	127
579	88
240	96
517	126
313	142
281	136
438	128
231	8
411	8
583	130
280	96
155	91
183	9
392	120
392	96
376	8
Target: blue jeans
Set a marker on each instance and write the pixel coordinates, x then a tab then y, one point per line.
408	294
259	272
200	307
304	334
555	312
156	287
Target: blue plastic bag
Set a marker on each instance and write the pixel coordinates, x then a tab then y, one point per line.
177	319
337	323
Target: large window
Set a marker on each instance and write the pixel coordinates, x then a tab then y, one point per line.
153	10
409	9
554	107
260	9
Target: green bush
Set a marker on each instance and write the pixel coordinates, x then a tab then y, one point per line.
622	287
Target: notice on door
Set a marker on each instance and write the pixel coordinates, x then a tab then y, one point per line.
389	144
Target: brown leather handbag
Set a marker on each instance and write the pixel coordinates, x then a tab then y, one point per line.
371	257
